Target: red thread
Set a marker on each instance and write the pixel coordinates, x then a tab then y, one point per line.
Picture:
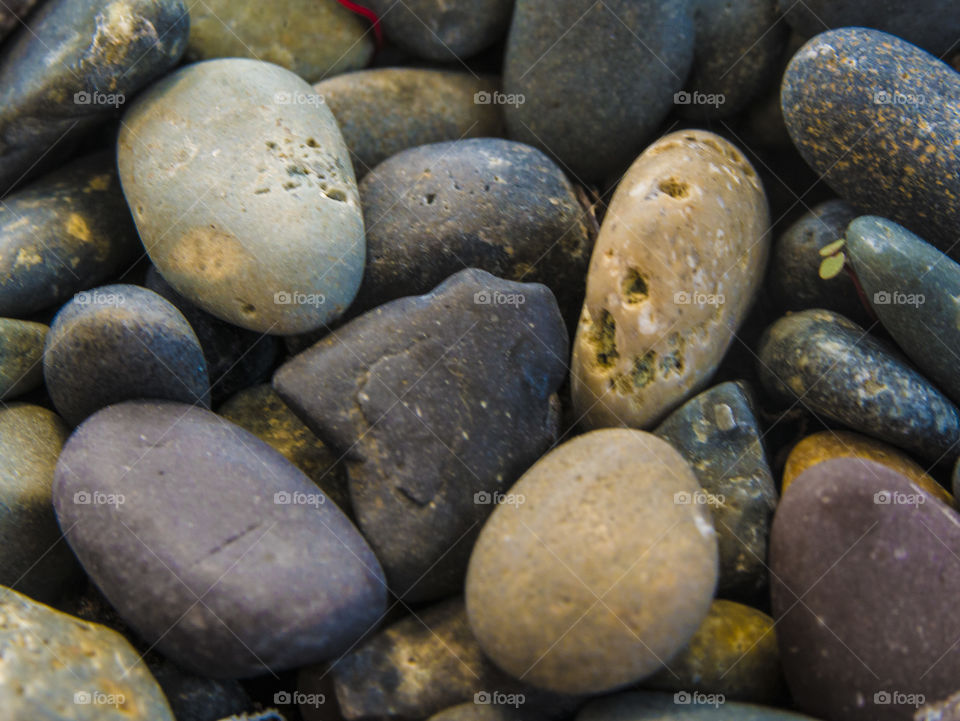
369	15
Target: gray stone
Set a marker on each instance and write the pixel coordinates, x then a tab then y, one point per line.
21	356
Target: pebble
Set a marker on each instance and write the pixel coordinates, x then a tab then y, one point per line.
718	434
385	110
486	203
640	706
56	84
117	343
56	666
264	234
836	369
313	39
876	117
33	558
424	472
591	84
863	550
66	232
21	356
605	516
285	579
678	261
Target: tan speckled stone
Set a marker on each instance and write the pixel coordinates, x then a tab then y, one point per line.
677	263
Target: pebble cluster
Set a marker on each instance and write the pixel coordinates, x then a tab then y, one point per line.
479	360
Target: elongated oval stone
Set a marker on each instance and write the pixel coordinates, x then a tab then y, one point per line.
210	544
836	369
876	117
678	260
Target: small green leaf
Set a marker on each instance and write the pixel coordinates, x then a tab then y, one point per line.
831	267
833	248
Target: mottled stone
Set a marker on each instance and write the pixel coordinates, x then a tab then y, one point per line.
604	516
65	232
876	118
284	577
424	472
386	110
836	369
734	653
827	445
55	666
313	38
678	261
21	356
444	29
794	277
497	205
718	435
864	574
33	558
915	291
76	63
117	343
236	358
244	196
596	81
679	707
262	412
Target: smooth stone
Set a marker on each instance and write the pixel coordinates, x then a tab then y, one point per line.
444	30
13	13
738	45
267	235
313	39
236	358
473	711
596	81
837	370
894	155
827	445
538	568
934	25
284	577
678	261
424	473
718	434
734	653
642	706
855	542
56	666
262	412
21	356
486	203
421	665
117	343
66	232
33	558
915	291
386	110
794	277
56	82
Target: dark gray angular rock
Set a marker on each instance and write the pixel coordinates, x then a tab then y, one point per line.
718	434
166	504
66	232
75	65
596	78
117	343
439	403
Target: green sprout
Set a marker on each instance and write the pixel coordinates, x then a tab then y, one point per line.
833	259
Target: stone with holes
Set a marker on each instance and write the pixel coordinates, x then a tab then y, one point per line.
834	368
210	544
119	342
486	203
604	571
854	545
21	356
438	403
243	193
678	261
